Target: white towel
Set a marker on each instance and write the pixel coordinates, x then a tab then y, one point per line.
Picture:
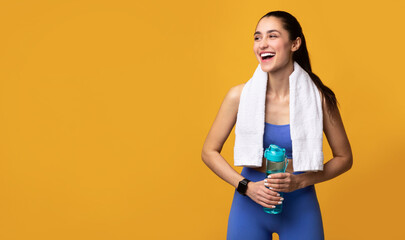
306	121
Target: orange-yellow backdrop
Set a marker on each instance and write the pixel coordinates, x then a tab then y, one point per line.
105	106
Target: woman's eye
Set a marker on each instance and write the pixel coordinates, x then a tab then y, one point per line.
271	36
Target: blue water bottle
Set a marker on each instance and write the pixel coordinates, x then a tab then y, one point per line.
276	163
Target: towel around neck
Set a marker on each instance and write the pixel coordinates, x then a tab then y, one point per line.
306	121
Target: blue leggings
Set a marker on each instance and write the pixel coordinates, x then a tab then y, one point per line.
300	218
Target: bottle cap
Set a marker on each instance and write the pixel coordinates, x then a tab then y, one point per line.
274	153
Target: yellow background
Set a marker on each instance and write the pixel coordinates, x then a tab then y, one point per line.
105	106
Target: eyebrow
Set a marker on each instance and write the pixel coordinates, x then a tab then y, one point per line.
269	31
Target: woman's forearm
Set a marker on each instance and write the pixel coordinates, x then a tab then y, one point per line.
331	169
221	167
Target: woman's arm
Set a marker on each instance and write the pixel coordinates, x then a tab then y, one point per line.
219	132
342	159
341	162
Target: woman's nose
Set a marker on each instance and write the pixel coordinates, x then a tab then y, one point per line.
263	44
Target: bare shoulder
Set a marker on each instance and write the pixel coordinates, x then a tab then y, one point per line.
234	94
230	104
236	91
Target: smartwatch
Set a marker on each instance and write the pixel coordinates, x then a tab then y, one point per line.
242	187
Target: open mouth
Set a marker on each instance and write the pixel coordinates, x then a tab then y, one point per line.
266	56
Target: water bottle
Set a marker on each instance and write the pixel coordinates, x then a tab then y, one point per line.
276	163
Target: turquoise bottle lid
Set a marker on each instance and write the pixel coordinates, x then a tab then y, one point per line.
274	153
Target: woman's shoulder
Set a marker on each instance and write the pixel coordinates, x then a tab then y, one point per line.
235	92
232	98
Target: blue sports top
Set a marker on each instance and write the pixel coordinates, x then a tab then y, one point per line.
279	135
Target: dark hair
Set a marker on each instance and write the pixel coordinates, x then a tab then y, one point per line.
291	24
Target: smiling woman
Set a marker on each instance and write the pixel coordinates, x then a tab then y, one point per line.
278	43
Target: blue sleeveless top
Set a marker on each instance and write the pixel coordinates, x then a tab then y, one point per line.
279	135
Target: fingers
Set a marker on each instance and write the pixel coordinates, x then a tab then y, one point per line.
265	204
271	201
275	186
264	196
269	198
278	175
270	195
279	183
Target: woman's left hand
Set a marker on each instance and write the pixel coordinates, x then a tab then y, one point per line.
282	182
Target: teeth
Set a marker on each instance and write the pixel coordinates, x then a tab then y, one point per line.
267	54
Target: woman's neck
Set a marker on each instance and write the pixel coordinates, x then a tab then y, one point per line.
278	83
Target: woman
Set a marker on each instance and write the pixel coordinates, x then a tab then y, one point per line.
280	33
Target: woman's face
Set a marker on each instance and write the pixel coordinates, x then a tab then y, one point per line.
271	38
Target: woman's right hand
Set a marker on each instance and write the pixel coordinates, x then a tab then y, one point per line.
262	195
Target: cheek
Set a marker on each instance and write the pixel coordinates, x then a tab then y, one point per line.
277	46
282	48
286	46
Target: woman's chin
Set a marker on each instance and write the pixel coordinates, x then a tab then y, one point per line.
266	67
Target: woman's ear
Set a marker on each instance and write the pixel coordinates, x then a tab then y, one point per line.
296	44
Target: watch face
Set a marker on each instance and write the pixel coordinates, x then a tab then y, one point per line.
242	186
